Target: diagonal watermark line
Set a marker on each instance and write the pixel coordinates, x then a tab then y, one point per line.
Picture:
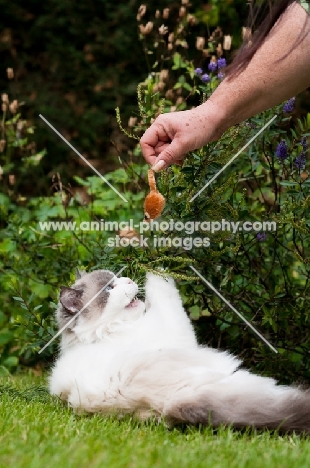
234	157
84	159
80	311
234	310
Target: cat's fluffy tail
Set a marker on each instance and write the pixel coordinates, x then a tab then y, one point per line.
288	410
244	399
205	387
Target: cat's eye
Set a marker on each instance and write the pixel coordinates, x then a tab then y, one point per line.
108	288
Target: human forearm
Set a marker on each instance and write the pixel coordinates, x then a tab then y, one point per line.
278	71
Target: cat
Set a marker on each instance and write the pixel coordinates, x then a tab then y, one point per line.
121	355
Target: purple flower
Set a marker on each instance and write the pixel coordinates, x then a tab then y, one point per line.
261	236
289	106
281	151
300	161
198	71
205	78
212	66
220	75
304	143
221	63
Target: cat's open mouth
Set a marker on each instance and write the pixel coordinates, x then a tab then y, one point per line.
133	303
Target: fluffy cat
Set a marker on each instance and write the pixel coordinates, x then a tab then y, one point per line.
121	355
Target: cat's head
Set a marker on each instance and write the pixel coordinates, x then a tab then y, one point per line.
96	306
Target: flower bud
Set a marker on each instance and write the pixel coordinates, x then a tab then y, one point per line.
169	94
191	19
10	73
162	30
163	75
182	12
132	121
219	50
227	42
14	106
200	43
144	30
166	13
128	233
5	98
20	125
160	86
142	10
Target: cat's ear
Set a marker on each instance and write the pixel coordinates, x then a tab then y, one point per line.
71	299
79	273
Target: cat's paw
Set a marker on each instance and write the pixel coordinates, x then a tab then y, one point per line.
158	284
151	277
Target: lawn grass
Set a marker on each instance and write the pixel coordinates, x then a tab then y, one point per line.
38	431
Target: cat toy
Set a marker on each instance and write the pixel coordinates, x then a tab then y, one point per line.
154	202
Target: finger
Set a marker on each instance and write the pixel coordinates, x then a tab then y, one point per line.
160	148
154	137
173	154
148	152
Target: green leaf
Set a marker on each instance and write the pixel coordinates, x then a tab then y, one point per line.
194	312
5	336
286	183
11	361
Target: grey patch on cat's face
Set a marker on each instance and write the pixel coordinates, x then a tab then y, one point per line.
96	281
73	299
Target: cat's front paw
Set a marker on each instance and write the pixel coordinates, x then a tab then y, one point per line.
156	284
151	277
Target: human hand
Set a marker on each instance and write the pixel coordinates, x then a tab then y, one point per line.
173	135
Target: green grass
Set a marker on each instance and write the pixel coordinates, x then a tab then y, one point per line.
37	431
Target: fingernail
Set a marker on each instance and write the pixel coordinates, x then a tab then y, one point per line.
159	166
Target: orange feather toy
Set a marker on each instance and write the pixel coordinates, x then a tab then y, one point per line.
154	202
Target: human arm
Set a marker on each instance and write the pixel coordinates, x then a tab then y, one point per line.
278	71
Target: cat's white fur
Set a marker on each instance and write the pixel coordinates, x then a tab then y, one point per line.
145	360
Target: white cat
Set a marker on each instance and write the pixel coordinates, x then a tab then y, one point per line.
120	355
